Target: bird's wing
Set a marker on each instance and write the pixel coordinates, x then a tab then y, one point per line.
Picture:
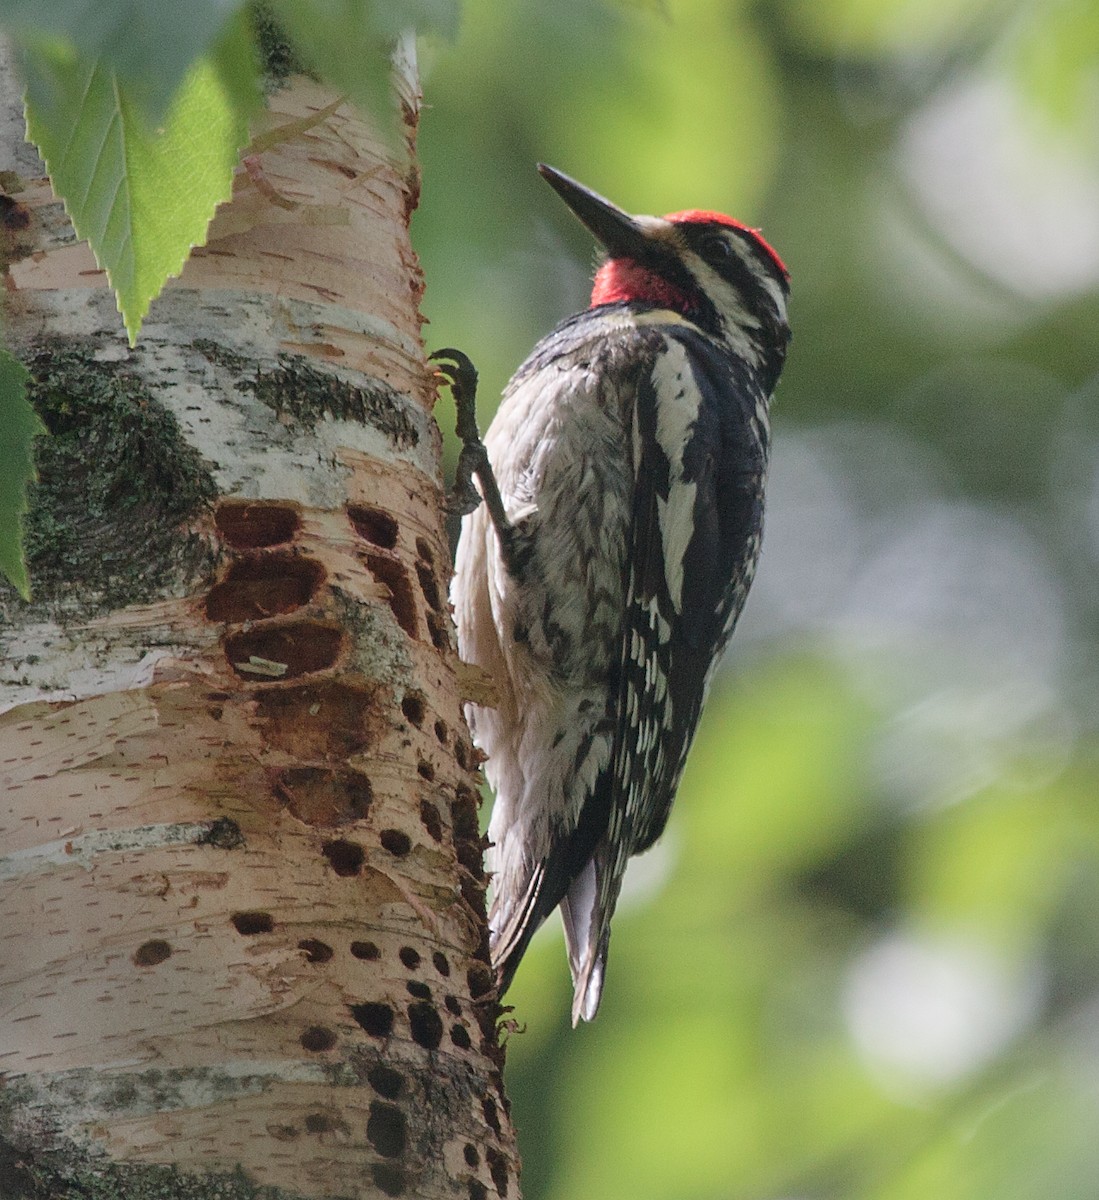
699	471
695	541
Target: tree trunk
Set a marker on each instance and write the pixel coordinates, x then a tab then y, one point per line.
241	897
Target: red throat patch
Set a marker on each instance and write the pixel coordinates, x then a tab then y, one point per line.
624	279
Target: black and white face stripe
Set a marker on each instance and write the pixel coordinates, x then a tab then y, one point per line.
735	288
735	256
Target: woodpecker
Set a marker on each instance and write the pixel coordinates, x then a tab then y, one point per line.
623	478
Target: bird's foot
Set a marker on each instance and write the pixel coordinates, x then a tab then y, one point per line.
460	375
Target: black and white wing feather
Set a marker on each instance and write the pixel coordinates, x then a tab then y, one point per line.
699	443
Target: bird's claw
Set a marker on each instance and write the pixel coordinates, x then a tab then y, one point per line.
460	376
460	373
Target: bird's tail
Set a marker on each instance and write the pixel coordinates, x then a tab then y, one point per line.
587	903
586	911
512	922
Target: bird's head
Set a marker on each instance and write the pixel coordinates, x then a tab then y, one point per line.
716	272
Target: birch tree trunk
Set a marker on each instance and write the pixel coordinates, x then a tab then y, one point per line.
242	935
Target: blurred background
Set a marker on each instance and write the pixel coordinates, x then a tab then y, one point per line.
864	961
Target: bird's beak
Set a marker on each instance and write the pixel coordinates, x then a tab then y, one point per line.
620	234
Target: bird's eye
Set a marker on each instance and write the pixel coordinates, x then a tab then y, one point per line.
716	250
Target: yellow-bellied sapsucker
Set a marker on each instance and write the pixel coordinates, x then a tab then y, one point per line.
602	578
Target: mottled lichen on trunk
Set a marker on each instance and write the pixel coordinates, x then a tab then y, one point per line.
54	1176
301	391
278	58
117	487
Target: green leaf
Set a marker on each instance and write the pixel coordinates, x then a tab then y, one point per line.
347	25
20	425
346	42
149	44
142	196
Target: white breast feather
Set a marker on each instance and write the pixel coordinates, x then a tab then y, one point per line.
676	412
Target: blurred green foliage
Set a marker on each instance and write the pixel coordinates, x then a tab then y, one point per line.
864	962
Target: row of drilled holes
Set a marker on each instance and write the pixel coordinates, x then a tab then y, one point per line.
278	583
256	588
305	647
375	1018
380	530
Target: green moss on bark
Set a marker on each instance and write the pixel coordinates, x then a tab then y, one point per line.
117	489
37	1164
300	392
278	58
35	1179
306	394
